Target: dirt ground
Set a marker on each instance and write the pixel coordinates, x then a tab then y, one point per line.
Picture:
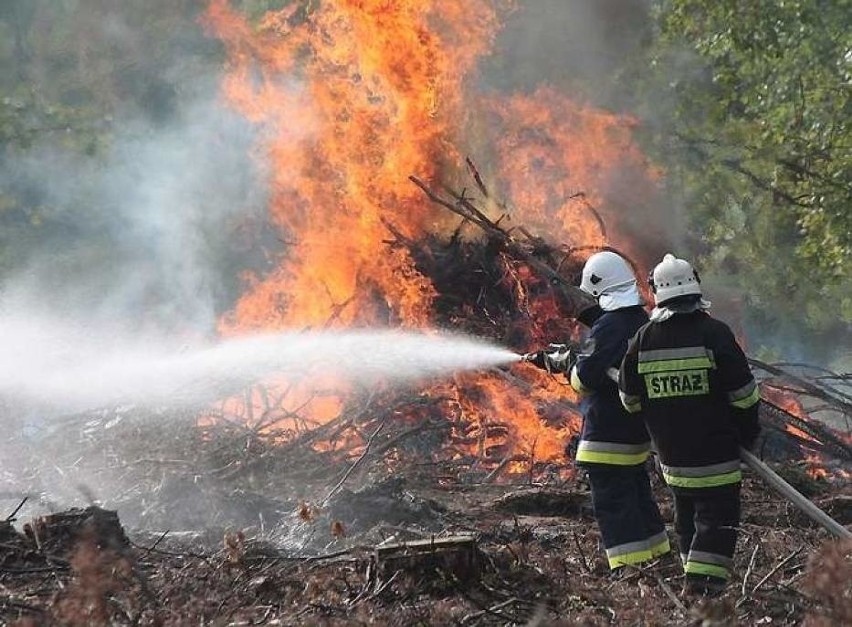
148	519
537	563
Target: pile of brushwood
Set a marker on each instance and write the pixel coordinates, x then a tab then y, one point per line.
220	522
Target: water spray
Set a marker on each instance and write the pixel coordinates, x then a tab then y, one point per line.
51	365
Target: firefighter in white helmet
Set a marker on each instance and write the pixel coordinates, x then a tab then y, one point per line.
614	445
686	376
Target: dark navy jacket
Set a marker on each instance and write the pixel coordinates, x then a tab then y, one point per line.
610	434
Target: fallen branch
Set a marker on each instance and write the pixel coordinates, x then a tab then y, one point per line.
778	567
795	497
576	300
356	464
666	588
493	610
491	476
581	552
749	569
11	517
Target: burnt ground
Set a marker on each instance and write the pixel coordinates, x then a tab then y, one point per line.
222	526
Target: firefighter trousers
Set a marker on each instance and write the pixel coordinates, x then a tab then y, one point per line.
706	522
631	527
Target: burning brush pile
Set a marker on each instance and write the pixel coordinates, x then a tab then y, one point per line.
452	502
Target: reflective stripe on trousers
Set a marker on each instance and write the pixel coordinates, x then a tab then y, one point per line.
705	563
638	552
709	476
632	530
706	522
615	453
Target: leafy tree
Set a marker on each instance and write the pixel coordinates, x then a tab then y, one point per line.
748	104
782	75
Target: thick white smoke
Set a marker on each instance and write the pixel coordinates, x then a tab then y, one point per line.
145	235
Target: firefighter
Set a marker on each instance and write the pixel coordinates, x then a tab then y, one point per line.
690	381
613	446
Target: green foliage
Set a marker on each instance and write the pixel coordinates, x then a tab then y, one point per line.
748	106
781	76
66	68
26	120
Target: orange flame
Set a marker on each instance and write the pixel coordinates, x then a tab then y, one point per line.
815	463
789	403
356	95
815	467
560	162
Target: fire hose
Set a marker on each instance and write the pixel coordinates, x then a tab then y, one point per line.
584	309
798	499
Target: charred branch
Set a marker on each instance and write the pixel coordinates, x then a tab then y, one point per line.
529	250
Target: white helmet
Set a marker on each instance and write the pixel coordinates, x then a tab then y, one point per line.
604	271
674	277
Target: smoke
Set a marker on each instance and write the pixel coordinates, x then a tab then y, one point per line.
607	54
577	46
141	245
148	238
140	237
130	214
123	235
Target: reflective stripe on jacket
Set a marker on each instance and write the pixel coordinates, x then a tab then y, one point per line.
708	476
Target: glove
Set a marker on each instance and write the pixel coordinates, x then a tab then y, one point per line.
555	358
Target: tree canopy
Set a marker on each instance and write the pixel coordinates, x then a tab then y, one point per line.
782	75
756	138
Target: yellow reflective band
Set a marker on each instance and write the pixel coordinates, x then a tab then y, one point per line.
661	548
616	459
710	481
577	384
636	557
748	401
700	568
666	365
